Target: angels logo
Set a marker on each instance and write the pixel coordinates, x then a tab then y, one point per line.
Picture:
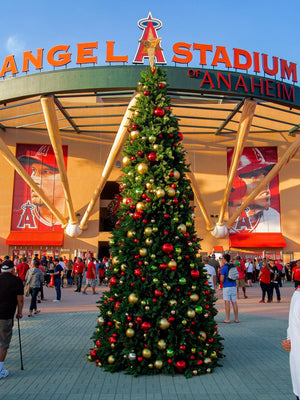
27	217
149	26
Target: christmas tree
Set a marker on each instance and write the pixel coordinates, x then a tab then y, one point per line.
158	314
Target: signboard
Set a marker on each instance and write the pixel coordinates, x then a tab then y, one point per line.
29	213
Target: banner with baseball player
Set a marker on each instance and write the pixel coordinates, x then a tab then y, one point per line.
263	214
29	213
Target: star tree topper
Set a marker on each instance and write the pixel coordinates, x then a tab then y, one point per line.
151	46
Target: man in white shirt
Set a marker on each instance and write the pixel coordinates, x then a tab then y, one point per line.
211	273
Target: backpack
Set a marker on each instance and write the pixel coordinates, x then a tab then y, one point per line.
233	273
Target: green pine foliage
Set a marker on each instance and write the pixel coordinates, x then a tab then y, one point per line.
158	314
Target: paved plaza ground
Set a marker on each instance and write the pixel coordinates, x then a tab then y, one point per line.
55	344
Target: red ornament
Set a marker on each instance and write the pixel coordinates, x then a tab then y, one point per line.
158	293
146	92
159	112
140	153
137	215
112	281
112	340
153	70
93	354
132	158
167	248
161	85
98	343
152	156
138	320
180	135
195	273
182	347
180	366
146	326
138	272
144	221
170	361
166	216
163	266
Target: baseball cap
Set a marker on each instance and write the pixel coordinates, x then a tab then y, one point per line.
253	160
44	155
7	265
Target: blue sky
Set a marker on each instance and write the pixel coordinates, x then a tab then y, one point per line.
264	26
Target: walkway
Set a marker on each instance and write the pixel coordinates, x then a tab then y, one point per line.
56	342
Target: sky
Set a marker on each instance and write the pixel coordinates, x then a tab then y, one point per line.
265	26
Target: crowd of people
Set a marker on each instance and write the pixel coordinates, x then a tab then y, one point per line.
58	272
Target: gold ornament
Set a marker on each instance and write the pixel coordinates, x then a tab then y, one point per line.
207	360
172	264
151	46
147	308
171	192
161	344
126	161
146	353
181	228
133	298
176	175
142	168
123	267
111	359
195	372
115	260
173	303
194	297
131	233
148	185
140	206
202	336
143	252
117	324
152	139
160	193
130	332
158	364
101	321
149	241
191	313
148	231
99	364
135	134
164	324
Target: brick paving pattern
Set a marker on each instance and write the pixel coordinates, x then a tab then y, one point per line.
55	344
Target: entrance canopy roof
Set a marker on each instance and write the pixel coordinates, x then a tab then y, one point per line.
95	99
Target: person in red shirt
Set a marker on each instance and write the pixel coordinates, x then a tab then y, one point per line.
77	272
241	281
91	276
265	281
296	274
22	269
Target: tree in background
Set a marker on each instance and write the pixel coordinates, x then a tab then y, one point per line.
158	314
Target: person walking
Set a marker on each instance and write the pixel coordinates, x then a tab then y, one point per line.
229	291
78	271
250	269
240	283
292	343
11	299
265	281
296	274
34	278
274	281
58	269
22	269
101	271
211	272
69	272
91	277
